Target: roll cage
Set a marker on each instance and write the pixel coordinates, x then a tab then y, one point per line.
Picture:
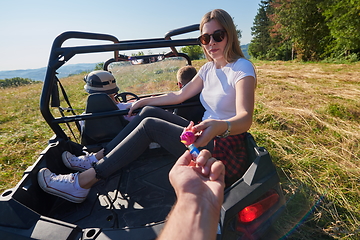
59	55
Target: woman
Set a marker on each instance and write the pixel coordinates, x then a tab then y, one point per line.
227	85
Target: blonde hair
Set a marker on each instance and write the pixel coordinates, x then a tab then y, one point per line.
232	50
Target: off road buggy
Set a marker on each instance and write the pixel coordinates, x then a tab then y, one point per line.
134	202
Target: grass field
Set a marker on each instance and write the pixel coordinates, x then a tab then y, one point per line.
306	115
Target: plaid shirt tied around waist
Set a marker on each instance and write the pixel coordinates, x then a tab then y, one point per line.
232	152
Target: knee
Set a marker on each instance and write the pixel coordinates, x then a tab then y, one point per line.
149	111
149	122
148	108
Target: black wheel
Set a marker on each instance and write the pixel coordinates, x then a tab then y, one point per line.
122	97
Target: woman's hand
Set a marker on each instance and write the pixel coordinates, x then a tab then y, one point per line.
207	130
190	128
135	105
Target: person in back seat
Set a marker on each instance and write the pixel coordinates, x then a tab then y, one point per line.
193	113
101	81
184	75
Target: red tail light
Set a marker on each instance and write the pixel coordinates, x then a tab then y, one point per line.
252	212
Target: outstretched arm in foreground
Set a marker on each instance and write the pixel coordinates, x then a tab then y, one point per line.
200	193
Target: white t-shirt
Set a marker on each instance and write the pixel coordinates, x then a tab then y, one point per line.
218	93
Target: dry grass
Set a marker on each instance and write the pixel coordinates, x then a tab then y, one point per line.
307	116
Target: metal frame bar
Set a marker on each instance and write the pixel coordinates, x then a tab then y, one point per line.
60	55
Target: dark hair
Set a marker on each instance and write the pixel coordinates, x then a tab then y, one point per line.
232	50
185	74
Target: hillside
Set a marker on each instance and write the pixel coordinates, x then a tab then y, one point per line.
39	73
306	115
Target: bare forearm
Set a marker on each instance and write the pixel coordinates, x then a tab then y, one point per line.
165	99
191	219
240	123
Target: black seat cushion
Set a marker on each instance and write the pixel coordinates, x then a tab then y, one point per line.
193	113
100	130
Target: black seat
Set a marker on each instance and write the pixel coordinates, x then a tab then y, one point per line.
193	113
101	130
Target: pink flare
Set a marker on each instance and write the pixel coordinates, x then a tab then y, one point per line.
187	138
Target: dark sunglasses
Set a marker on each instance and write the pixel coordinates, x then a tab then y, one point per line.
218	36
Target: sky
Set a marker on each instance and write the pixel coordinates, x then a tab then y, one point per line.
28	28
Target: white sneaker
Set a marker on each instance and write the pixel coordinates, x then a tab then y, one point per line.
80	163
64	186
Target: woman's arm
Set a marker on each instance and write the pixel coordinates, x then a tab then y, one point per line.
241	122
245	100
190	90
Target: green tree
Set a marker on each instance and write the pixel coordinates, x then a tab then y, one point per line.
303	23
306	29
260	43
99	66
16	81
195	52
343	19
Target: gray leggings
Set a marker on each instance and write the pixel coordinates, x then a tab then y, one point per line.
152	124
